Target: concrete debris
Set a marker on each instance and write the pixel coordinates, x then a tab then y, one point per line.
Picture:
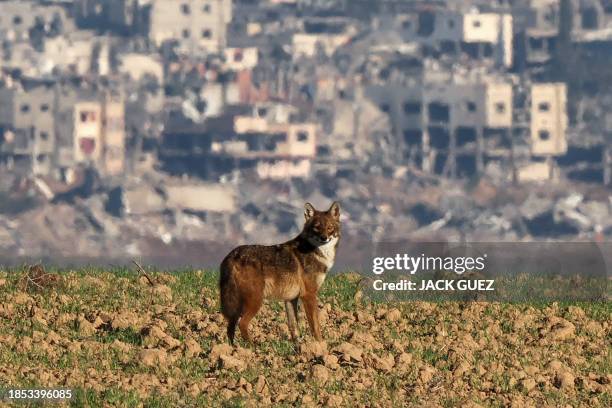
158	220
534	206
142	200
201	198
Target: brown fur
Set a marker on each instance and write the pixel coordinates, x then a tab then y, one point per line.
291	271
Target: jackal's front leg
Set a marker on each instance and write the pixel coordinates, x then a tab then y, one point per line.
312	314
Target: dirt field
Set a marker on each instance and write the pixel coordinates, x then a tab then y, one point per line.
117	340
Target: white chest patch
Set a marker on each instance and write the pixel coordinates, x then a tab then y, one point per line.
326	254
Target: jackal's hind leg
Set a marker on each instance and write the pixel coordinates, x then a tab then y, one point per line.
291	309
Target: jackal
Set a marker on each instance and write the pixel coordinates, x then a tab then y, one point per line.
291	271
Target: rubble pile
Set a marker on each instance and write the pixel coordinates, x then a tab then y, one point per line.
164	216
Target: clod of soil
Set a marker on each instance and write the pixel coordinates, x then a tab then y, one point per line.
314	349
232	363
320	374
153	357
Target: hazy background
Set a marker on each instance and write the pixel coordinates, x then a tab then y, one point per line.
169	131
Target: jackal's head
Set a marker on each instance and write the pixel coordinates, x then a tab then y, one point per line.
321	227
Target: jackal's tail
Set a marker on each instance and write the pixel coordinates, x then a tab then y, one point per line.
231	303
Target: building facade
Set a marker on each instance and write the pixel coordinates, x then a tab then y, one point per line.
197	25
479	35
28	123
548	119
453	129
46	130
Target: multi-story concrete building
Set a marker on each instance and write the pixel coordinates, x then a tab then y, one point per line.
325	34
81	53
263	139
123	16
197	25
299	138
538	37
87	132
46	130
447	127
270	141
548	119
28	123
479	35
113	131
17	17
98	129
454	127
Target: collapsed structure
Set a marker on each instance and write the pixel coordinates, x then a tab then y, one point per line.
453	124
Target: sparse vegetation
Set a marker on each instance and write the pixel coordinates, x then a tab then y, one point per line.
119	340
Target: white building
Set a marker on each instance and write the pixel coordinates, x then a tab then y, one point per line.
197	25
478	34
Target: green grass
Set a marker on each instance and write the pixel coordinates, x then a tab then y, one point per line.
127	335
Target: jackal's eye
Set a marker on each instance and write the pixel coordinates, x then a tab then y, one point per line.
330	230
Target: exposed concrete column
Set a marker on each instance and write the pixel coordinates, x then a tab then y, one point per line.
452	152
551	168
512	157
479	150
425	149
426	165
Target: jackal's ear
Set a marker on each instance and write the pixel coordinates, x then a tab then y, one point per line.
309	211
334	210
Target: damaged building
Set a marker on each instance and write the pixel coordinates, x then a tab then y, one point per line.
28	129
323	35
264	140
476	35
198	26
49	130
454	125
